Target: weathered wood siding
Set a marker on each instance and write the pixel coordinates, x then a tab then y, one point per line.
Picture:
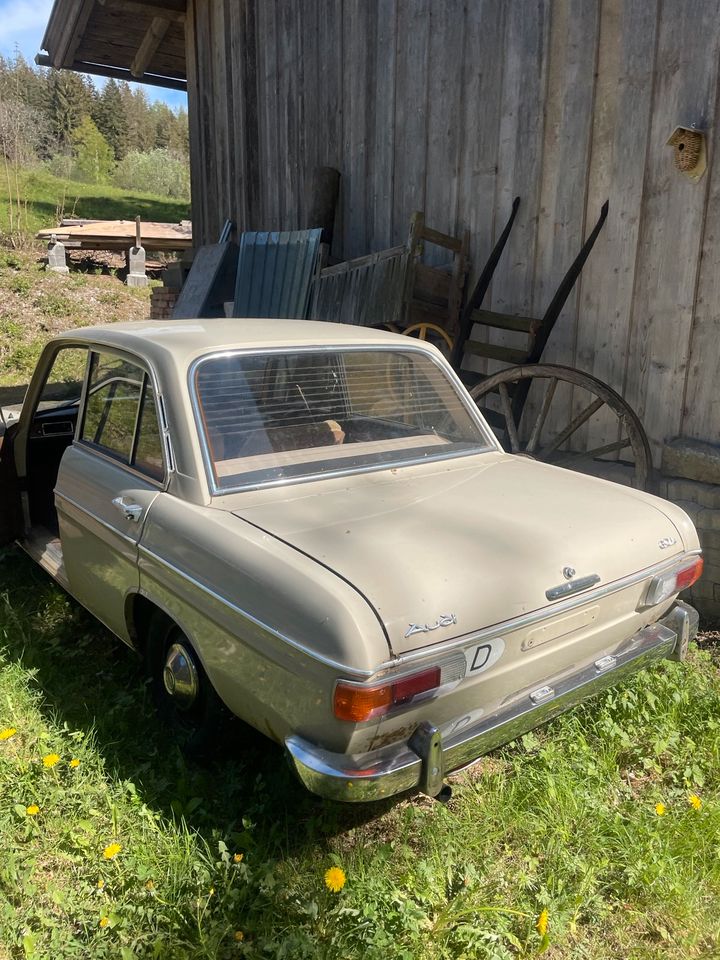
455	106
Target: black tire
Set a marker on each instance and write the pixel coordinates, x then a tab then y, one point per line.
199	725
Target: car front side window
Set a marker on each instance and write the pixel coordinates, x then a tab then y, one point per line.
121	416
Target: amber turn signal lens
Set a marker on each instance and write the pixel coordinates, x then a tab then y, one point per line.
358	703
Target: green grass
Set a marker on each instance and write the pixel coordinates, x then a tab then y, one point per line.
563	820
45	199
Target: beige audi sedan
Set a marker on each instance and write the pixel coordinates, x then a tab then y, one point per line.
312	525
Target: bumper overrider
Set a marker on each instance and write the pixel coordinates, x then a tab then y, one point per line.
426	758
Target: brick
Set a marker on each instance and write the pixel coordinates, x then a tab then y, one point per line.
703	589
692	459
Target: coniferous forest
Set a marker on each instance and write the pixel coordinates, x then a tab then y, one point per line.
112	135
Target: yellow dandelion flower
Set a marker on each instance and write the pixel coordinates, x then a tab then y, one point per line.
74	763
239	936
660	809
111	851
542	922
694	801
7	733
50	760
104	921
335	879
238	858
150	886
33	810
101	884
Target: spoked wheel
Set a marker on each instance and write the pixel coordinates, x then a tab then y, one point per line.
432	333
183	694
529	434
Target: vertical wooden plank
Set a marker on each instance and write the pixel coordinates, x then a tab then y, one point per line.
236	110
672	220
621	126
197	180
207	113
289	70
329	104
308	18
701	410
380	214
220	65
359	63
267	75
484	27
413	33
524	81
250	132
566	148
445	74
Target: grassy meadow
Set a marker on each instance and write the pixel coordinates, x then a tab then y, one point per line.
113	845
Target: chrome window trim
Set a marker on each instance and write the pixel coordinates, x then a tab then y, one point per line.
148	369
535	616
492	443
313	654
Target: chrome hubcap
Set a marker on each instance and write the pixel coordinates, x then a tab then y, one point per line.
180	677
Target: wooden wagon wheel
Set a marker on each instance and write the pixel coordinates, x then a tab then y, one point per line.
432	332
548	449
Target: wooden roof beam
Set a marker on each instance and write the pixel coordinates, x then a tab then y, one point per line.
173	10
117	73
148	48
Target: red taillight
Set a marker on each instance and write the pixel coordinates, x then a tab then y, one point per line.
689	575
356	703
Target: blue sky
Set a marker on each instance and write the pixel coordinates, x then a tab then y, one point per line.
22	25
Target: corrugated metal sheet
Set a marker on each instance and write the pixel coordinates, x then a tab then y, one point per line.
274	273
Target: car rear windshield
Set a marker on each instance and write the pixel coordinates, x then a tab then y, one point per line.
269	417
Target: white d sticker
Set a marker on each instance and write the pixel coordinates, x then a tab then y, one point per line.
482	656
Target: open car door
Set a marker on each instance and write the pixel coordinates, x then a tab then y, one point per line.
11	524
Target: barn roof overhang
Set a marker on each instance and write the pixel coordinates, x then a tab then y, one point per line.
130	40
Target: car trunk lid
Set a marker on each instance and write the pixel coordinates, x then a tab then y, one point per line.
443	550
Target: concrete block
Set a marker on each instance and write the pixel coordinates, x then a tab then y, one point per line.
707	519
692	509
136	261
711	557
706	494
703	589
708	609
56	261
692	459
709	539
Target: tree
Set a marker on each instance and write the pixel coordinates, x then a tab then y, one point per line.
93	154
69	100
110	118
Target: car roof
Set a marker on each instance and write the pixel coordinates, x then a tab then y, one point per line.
181	341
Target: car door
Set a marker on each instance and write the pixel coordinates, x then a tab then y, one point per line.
106	483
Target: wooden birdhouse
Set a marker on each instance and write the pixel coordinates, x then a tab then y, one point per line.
690	154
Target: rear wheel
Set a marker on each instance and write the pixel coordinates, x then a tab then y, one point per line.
183	694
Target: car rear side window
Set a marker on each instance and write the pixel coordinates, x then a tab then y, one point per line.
275	416
121	415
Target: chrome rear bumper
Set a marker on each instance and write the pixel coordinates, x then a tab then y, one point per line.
426	758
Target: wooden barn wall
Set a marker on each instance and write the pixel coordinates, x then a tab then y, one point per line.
456	106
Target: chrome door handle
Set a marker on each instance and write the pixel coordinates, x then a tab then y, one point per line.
131	511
